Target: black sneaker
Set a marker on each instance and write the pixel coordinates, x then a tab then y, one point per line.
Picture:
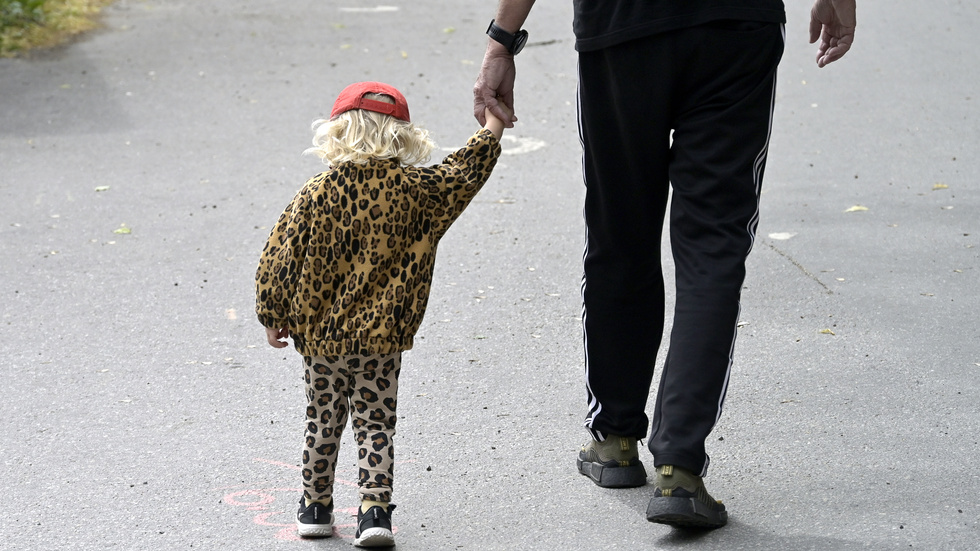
374	527
680	499
612	463
314	520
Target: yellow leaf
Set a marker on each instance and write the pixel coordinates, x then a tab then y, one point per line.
827	332
122	229
856	208
449	30
939	186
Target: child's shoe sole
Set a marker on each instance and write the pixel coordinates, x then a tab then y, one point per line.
375	537
314	530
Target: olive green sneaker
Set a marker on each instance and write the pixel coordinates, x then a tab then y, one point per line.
680	499
612	463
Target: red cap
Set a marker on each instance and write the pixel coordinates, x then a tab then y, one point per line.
353	98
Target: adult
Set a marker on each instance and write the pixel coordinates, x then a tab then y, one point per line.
673	94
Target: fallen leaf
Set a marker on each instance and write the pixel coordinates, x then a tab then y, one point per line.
827	332
449	30
856	208
123	229
939	186
102	188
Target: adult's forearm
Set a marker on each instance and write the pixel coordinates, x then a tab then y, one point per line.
511	14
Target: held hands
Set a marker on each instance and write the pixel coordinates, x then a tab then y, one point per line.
276	337
495	86
495	124
833	22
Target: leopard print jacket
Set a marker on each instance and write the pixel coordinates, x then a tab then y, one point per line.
348	267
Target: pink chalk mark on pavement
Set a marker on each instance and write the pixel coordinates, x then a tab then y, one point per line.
259	499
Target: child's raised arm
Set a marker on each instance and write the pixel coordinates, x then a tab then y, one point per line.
494	124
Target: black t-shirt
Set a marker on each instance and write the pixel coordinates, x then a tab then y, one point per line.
602	23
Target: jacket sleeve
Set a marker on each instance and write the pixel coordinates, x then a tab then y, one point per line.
282	261
461	176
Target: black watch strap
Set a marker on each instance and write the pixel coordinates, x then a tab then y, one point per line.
513	42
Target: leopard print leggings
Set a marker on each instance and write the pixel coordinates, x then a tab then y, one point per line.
365	387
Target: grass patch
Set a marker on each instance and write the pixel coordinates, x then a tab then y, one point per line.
31	24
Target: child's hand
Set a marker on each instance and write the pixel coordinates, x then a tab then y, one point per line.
496	125
508	110
276	337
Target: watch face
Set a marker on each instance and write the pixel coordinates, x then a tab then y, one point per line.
520	39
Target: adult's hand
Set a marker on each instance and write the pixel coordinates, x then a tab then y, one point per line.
495	84
833	22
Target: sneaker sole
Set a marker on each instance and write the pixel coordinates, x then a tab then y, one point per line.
685	512
314	530
375	537
613	477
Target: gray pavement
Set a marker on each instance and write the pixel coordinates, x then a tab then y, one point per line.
142	410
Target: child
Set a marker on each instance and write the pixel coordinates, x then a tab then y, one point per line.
346	273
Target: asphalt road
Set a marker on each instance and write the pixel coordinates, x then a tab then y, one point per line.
142	166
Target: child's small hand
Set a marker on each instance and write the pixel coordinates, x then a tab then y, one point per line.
276	337
496	125
508	110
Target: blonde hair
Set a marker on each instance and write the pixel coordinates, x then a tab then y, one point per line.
359	135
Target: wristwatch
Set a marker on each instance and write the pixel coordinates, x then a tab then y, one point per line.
513	42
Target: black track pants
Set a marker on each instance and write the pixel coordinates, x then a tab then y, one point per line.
713	87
